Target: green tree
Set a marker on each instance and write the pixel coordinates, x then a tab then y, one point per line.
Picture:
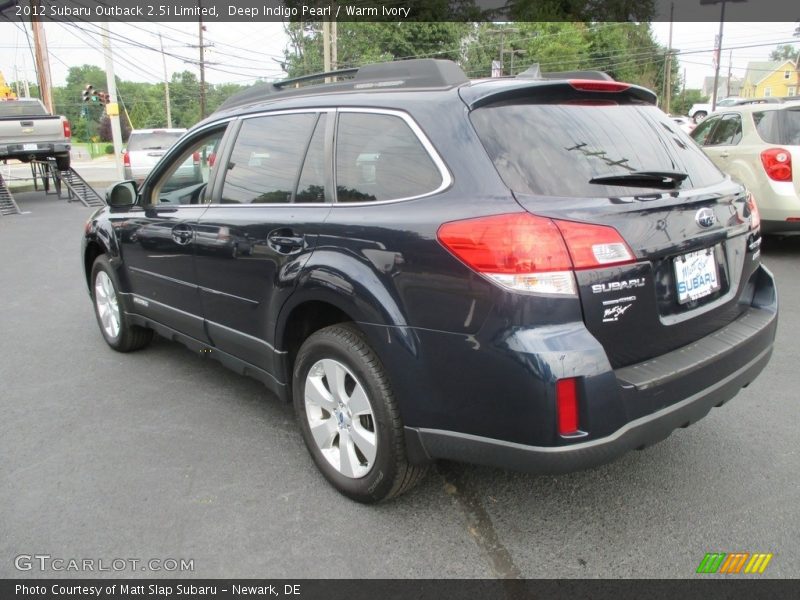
683	102
784	52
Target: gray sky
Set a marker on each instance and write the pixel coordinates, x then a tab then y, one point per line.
243	51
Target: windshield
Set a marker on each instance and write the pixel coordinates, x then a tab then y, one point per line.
559	149
22	108
779	126
158	140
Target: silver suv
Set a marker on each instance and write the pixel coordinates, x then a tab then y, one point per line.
145	148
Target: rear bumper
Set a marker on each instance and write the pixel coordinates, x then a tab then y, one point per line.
660	395
42	150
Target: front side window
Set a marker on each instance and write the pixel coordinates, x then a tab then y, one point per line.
185	179
379	157
266	159
728	133
701	133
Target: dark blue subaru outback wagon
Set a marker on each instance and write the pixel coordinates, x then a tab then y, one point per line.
539	273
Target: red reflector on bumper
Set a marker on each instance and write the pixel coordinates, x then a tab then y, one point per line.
567	406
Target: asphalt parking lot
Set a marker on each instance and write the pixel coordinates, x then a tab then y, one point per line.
164	454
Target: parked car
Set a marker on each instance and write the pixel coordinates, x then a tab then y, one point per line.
144	149
28	132
698	112
759	145
701	110
685	123
484	271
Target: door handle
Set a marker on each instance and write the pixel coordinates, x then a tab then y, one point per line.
286	241
724	155
182	234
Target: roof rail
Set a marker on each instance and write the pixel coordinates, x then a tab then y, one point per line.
401	74
288	82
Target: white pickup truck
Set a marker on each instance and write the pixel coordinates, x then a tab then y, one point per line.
28	132
700	111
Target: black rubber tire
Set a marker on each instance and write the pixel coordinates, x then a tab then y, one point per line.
63	162
130	337
391	474
699	117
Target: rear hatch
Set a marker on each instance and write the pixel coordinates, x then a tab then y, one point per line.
27	122
600	153
145	148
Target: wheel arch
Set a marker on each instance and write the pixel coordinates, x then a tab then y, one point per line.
311	309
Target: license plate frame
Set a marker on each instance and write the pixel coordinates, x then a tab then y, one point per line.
30	147
696	275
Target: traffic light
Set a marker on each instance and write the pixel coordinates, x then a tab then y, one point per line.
89	94
104	97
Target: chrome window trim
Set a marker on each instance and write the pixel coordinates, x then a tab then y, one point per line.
444	172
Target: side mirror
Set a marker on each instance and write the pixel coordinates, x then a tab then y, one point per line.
122	194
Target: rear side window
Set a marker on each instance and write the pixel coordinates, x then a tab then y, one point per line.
556	149
158	140
379	157
266	159
779	126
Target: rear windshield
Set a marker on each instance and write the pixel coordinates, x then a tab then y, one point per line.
21	109
158	140
779	126
556	149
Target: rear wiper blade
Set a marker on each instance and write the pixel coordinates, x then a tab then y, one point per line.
657	179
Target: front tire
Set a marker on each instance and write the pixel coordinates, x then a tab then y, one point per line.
699	116
114	322
349	417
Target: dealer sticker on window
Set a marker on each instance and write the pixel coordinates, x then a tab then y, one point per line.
696	275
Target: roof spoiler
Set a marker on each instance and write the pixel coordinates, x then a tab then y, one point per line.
534	72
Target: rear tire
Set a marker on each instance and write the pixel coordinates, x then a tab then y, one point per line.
699	116
114	322
349	417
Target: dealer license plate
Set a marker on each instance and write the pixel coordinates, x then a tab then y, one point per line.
29	147
696	275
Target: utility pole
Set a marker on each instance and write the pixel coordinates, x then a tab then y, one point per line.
668	64
16	81
718	50
166	83
730	66
42	58
112	109
334	50
202	65
326	48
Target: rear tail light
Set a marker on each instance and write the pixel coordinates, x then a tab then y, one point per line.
755	217
591	85
67	128
527	253
196	158
567	406
126	159
777	163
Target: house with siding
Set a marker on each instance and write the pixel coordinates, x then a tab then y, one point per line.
764	79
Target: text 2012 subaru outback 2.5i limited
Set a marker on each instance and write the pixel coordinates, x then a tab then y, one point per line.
539	273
